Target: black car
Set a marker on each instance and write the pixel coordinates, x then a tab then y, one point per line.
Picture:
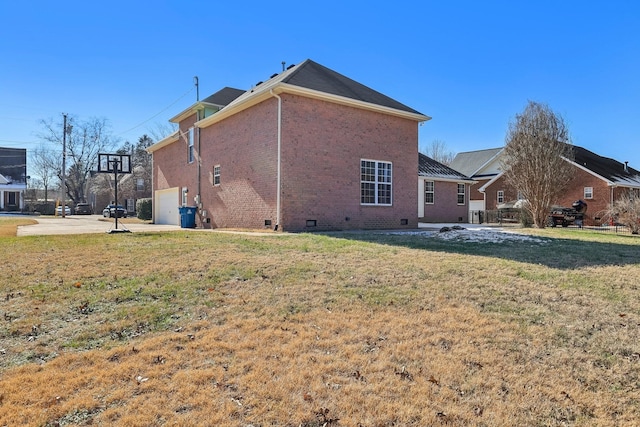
83	209
110	211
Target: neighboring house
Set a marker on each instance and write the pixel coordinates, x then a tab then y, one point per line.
308	149
482	166
443	193
13	178
598	181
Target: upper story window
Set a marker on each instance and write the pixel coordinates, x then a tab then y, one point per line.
190	154
429	192
500	197
216	175
375	183
588	192
461	192
140	184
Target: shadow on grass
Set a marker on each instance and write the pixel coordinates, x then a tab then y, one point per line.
560	253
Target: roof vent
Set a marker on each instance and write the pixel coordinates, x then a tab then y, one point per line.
273	75
258	84
291	66
626	166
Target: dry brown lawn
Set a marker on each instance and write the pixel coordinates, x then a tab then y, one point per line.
9	226
364	329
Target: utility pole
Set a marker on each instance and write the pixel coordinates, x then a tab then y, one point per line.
64	164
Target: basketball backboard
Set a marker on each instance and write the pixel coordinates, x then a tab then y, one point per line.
110	163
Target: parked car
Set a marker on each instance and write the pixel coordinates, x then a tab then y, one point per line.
83	209
110	211
67	211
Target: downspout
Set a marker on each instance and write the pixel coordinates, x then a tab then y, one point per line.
153	192
278	180
197	200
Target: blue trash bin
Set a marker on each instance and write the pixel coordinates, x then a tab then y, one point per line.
187	216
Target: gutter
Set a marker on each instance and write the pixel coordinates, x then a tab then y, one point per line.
279	174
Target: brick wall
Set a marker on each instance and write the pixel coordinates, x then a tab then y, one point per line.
445	207
322	144
596	205
491	193
575	191
245	147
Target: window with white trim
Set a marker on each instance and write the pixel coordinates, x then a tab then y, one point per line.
461	192
216	175
140	184
500	197
588	192
375	183
429	192
190	154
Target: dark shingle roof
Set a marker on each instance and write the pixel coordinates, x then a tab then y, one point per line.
432	168
311	75
223	97
610	169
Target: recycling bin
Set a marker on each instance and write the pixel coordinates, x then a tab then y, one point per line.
187	216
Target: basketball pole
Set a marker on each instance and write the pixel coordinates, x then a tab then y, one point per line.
115	183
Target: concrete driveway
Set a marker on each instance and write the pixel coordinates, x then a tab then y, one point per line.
81	224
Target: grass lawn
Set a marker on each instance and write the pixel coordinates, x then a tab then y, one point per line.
343	329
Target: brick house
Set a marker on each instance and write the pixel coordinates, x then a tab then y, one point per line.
443	193
308	149
13	178
599	181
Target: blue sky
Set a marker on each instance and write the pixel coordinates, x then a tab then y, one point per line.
470	65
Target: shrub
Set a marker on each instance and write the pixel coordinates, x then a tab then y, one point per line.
143	207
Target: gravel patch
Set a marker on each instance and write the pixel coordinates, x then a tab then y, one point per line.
475	235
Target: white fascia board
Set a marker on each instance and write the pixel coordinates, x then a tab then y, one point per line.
442	179
491	181
589	171
266	90
488	162
623	183
164	142
191	111
310	93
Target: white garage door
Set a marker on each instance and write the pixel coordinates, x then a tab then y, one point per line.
165	210
476	205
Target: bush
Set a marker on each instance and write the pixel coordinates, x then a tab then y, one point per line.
143	207
526	219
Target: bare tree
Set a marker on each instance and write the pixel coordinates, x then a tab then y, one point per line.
439	152
84	140
158	131
626	211
44	164
535	159
140	169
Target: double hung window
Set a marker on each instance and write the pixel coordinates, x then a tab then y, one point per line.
429	192
461	194
190	154
375	183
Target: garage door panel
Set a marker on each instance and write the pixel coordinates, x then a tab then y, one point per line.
166	206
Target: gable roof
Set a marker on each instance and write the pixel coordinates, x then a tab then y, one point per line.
223	97
431	168
311	75
220	99
610	170
471	162
312	80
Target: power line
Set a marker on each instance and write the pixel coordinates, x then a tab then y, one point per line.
156	115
